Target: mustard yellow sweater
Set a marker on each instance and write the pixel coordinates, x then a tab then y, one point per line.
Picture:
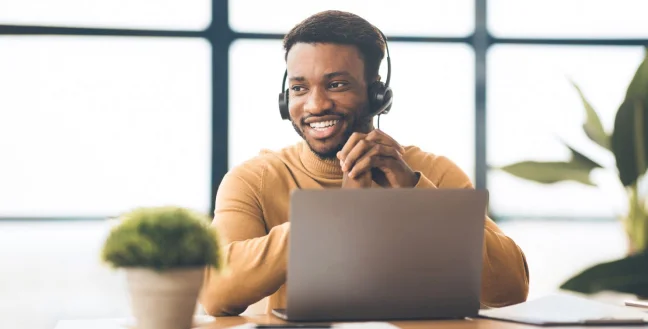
251	217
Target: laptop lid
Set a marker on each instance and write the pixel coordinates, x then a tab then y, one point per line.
379	254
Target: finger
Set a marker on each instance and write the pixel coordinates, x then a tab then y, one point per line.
381	137
363	165
360	148
387	151
349	145
367	163
375	157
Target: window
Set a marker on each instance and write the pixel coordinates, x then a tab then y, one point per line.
254	121
568	19
407	17
532	106
58	84
433	103
133	14
93	126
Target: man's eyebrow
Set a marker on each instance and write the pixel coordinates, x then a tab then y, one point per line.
327	76
336	74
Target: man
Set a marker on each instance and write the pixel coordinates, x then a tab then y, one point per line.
332	58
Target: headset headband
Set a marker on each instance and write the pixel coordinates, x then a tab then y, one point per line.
388	59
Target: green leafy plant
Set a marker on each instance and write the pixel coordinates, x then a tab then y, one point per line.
162	238
628	143
627	275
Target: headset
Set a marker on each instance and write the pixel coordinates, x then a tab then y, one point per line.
380	94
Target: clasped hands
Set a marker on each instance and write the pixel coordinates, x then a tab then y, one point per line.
374	157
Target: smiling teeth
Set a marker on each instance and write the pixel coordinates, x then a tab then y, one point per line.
323	124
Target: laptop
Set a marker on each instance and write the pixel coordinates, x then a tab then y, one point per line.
384	254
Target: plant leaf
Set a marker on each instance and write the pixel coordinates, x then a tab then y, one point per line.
628	137
627	275
593	127
638	88
162	238
550	172
582	159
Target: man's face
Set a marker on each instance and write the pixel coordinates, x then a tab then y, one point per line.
328	94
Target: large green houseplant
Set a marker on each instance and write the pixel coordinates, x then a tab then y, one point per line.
165	252
628	142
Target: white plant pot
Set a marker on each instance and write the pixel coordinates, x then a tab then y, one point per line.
165	299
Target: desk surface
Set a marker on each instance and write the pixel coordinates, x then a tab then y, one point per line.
227	322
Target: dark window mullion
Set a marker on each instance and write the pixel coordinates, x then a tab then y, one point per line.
221	36
481	43
572	42
82	31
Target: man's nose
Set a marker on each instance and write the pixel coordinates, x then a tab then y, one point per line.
318	102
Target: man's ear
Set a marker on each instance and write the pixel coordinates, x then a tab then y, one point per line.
371	81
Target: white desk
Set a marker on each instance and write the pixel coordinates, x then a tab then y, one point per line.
119	323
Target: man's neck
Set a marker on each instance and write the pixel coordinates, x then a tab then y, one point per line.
319	166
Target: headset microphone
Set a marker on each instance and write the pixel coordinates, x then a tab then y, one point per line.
380	94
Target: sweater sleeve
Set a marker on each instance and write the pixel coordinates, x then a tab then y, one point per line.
254	259
505	274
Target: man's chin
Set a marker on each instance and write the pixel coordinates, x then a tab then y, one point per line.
325	152
326	149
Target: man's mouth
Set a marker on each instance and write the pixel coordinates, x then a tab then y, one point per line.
324	124
323	129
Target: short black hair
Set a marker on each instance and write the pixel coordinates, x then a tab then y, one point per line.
334	26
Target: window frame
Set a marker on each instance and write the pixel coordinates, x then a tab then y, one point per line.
220	35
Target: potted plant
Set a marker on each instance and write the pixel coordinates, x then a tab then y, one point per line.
164	252
629	144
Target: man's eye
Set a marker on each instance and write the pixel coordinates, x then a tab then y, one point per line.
297	88
335	85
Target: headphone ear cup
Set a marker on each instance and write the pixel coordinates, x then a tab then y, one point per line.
387	100
375	88
283	106
379	97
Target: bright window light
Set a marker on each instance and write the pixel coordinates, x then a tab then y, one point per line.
591	19
125	14
97	126
405	17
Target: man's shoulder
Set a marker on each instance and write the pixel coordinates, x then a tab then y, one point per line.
248	180
267	160
440	169
416	156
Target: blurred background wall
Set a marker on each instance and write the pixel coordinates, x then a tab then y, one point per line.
108	105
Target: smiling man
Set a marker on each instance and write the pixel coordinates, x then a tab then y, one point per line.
332	61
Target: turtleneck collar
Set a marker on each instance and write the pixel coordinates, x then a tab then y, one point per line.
317	166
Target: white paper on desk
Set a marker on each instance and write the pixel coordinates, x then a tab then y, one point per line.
198	320
350	325
565	310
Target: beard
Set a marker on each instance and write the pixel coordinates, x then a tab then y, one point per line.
356	124
330	153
